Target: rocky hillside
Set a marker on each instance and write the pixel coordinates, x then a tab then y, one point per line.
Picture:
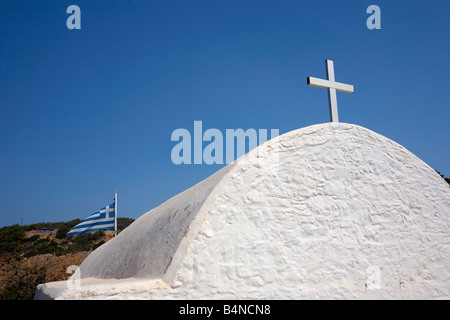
38	253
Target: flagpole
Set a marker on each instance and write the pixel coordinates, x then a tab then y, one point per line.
115	213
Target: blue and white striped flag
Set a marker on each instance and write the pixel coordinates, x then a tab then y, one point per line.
102	219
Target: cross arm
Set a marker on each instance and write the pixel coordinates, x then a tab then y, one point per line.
330	84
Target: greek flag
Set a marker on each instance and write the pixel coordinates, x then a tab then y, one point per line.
102	219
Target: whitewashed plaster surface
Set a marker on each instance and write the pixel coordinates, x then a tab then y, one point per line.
331	211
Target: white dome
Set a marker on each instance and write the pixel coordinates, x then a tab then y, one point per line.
331	211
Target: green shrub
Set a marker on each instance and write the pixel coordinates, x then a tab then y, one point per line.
22	285
95	246
10	238
31	239
65	227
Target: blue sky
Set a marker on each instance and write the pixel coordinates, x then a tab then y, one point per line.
84	112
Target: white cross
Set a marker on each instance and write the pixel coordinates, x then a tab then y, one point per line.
107	210
332	86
